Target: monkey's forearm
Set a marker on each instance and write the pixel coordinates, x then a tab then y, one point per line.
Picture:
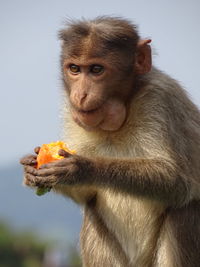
156	178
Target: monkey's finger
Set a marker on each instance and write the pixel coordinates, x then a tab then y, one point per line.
47	172
60	163
28	182
37	149
36	181
29	160
64	153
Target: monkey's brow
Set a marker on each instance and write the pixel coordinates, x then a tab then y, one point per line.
96	52
91	54
85	61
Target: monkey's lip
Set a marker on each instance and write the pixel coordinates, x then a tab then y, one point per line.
109	117
90	118
90	111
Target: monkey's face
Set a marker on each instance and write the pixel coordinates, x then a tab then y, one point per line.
98	92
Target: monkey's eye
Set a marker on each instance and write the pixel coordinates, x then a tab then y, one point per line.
74	68
96	69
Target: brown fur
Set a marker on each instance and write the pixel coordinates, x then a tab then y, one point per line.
147	221
140	184
161	139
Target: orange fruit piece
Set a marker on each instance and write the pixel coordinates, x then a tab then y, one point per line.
49	152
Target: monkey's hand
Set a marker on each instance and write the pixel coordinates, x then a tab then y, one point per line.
69	170
30	160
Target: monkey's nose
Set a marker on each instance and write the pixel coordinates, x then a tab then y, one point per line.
82	98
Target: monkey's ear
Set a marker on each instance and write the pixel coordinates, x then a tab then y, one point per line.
143	57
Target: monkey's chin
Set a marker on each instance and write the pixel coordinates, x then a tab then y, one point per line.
109	117
115	116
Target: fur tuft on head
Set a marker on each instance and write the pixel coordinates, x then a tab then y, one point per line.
110	32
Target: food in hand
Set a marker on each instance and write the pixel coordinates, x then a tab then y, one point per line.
49	153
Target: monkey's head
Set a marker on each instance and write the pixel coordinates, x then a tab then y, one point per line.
101	61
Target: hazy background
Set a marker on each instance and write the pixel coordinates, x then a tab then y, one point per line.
30	88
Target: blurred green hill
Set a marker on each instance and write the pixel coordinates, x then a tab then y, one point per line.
24	249
50	215
27	216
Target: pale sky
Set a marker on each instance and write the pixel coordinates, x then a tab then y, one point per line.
29	59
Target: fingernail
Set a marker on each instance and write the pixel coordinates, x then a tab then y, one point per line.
62	152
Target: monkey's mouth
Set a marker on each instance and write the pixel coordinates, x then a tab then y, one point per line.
109	117
88	118
91	111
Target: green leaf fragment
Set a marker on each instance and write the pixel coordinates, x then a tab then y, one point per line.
41	191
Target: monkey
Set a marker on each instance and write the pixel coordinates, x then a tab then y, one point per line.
136	171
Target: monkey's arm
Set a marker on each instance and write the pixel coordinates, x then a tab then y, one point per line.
152	177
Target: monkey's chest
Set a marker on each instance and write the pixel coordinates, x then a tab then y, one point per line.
133	220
